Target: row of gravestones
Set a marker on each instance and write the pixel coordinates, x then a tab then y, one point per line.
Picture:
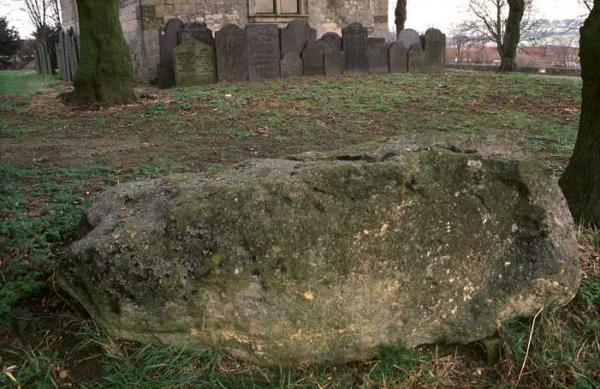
43	64
190	55
67	54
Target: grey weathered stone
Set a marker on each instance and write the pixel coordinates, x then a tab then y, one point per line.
355	46
416	59
435	50
378	56
262	41
198	31
313	59
232	55
195	63
398	58
295	36
331	41
327	257
334	62
168	38
291	65
408	37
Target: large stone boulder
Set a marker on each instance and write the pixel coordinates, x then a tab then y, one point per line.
327	257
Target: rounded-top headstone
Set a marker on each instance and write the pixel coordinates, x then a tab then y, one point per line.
435	50
409	37
331	41
295	36
195	63
169	38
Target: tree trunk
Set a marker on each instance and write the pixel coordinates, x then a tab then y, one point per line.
512	35
104	76
581	181
400	15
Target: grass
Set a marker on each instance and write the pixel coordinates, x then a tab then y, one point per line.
54	160
23	84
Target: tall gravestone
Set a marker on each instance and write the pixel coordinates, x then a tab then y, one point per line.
408	37
435	50
43	62
67	54
291	65
331	41
72	48
262	42
313	59
416	59
195	63
354	38
398	58
378	56
60	56
198	31
232	55
295	36
168	39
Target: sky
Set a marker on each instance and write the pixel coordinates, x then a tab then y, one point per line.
422	14
443	14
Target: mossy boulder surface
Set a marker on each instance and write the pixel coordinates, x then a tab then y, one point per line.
327	258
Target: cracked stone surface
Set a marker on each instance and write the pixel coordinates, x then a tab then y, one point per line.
327	257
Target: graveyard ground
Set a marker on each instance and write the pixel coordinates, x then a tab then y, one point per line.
53	160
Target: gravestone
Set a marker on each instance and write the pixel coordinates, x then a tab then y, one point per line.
198	31
398	58
60	56
262	42
291	65
67	54
295	36
72	52
378	56
355	46
168	39
313	59
435	51
416	59
331	41
232	56
195	63
408	37
334	62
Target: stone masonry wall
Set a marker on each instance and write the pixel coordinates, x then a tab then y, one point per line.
69	14
142	19
333	15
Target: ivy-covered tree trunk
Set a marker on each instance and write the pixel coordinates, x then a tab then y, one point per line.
400	15
104	76
512	35
581	181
